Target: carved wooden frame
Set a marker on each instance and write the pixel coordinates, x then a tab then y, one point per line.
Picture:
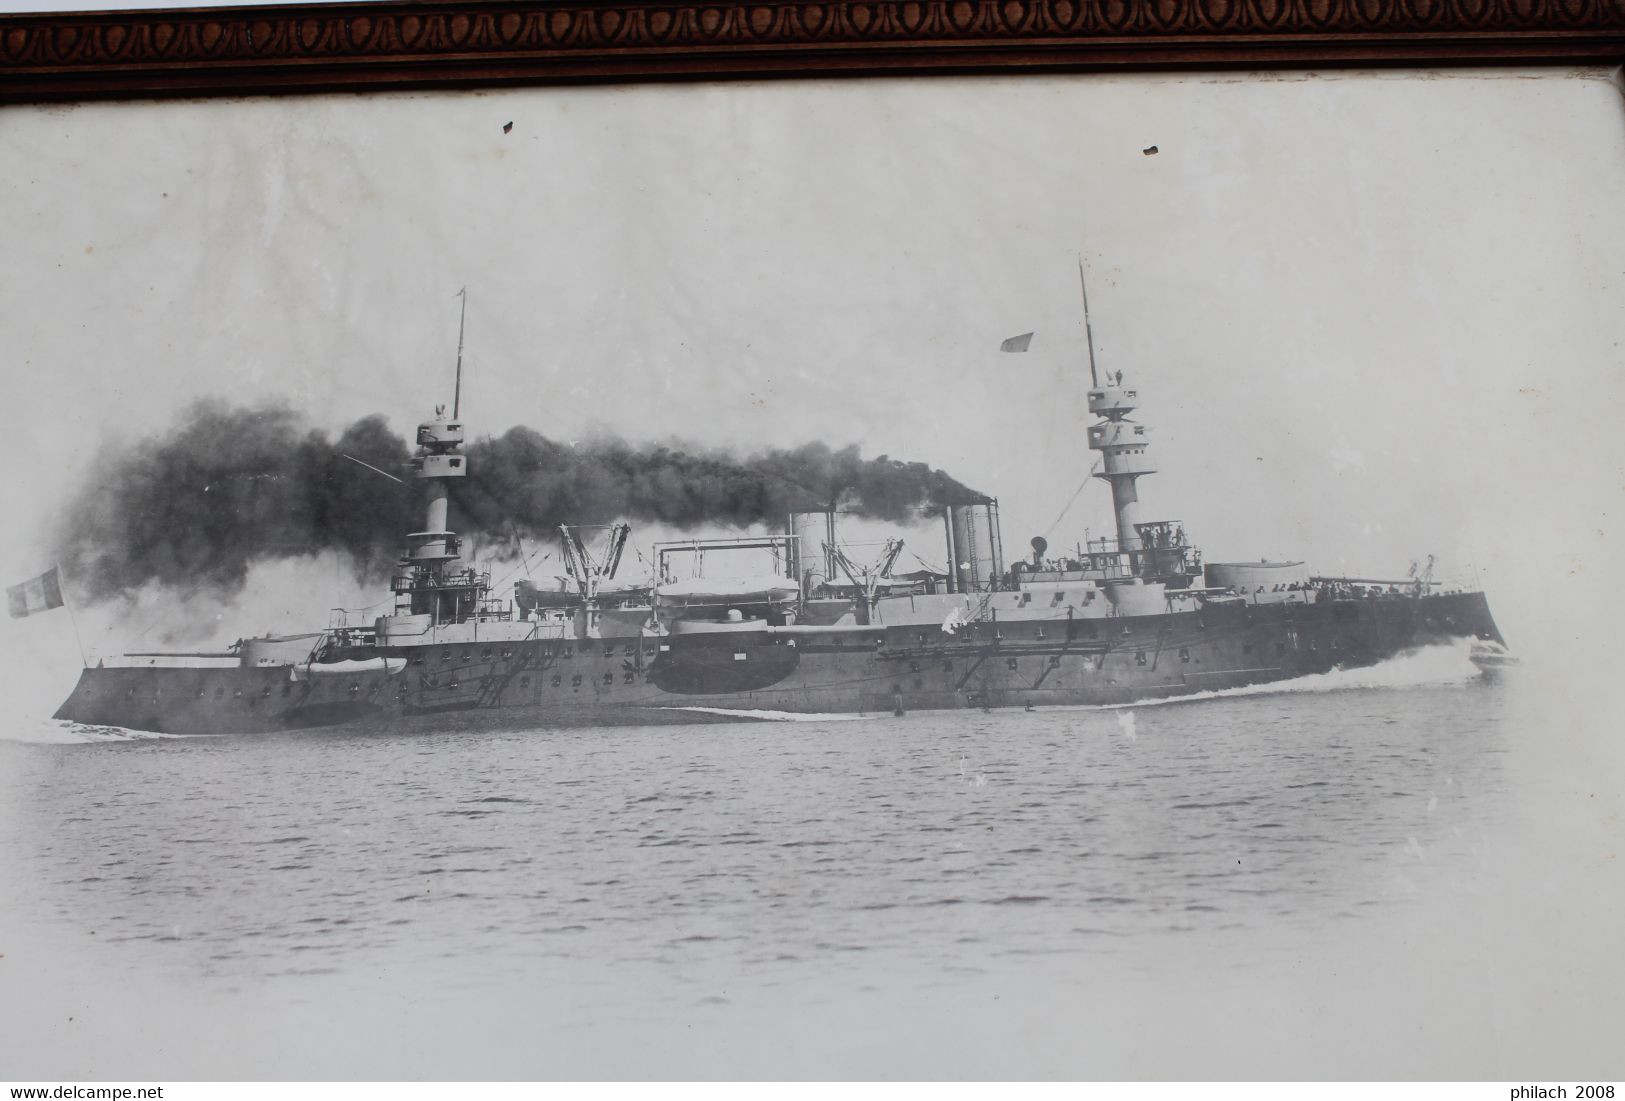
472	43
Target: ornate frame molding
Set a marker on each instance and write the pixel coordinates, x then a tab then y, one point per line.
471	43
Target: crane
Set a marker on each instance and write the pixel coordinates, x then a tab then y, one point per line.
587	570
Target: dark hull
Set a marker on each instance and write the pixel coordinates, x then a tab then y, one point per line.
655	680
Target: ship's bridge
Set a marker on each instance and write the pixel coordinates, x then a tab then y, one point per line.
1163	553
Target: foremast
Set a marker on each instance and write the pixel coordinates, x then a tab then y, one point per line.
1155	550
1122	444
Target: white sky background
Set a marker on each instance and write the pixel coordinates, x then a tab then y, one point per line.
1372	317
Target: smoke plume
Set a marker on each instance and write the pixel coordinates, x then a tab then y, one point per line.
232	486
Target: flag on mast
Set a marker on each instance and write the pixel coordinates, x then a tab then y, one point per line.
1017	343
38	594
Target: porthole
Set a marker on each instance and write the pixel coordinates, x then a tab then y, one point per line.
354	688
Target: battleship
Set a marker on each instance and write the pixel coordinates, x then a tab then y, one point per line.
1119	620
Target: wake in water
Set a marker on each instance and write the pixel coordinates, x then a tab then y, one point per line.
59	732
1440	666
774	716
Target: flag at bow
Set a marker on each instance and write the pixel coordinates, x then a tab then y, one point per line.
37	595
1017	343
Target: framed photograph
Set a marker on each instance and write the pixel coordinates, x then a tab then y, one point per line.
929	539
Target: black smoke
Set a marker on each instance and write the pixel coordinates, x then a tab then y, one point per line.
230	486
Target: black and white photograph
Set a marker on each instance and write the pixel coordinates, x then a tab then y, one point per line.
1063	576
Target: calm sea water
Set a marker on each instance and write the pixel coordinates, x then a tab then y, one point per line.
1088	893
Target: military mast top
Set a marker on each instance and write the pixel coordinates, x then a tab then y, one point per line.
1121	442
1122	445
1157	549
425	583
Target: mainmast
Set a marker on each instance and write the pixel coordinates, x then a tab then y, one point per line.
457	391
429	552
427	584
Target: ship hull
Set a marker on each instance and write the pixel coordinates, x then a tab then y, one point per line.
706	676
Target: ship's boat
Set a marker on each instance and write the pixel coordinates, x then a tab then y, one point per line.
565	594
1136	616
349	667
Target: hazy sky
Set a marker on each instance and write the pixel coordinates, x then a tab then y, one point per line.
1371	317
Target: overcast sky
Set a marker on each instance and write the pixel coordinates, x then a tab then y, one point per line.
1371	317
